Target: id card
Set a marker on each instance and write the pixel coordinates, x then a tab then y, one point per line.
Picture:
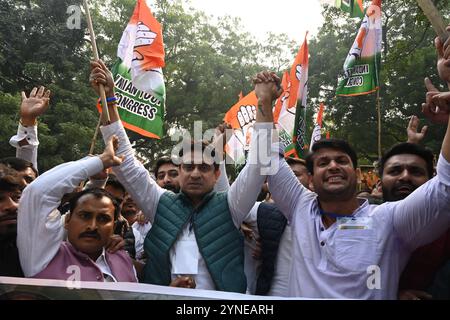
185	257
355	223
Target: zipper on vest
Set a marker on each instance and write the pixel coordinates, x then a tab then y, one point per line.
191	221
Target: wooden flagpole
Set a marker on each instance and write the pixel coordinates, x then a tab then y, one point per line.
435	18
379	122
104	116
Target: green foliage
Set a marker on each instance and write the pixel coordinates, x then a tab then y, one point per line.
207	64
408	57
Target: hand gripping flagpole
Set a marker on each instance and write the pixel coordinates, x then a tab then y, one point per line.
104	117
435	18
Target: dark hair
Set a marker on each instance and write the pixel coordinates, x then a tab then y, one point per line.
162	161
408	148
18	164
97	193
204	146
291	161
336	144
9	179
113	182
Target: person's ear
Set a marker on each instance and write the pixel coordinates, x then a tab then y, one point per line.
66	220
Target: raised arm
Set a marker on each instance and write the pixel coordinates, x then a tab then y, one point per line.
26	141
285	188
39	227
132	174
220	140
244	191
443	100
443	63
425	214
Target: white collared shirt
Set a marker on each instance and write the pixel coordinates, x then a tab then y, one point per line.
102	264
359	263
40	227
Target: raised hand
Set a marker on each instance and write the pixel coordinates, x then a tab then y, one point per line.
108	156
267	86
437	105
443	64
101	75
414	136
34	105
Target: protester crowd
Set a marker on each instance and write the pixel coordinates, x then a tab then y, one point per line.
285	227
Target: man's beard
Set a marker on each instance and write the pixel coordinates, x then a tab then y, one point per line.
172	188
8	233
391	195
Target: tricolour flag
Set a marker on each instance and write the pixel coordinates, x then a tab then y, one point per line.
282	116
138	77
362	64
299	92
241	118
353	7
317	132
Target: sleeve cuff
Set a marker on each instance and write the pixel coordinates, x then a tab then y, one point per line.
116	128
28	133
111	129
93	165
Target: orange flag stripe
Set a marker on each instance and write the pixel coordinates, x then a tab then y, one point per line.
279	104
300	60
231	116
320	114
153	54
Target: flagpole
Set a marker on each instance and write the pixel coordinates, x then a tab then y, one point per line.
379	123
105	113
94	139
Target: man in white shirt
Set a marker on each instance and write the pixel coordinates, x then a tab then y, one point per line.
194	233
342	246
40	230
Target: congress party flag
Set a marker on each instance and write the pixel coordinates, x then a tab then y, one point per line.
299	92
353	7
241	117
317	132
361	67
138	75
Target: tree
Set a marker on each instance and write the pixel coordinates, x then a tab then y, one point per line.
408	56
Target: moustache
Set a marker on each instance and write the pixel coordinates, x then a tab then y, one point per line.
170	187
89	234
405	185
